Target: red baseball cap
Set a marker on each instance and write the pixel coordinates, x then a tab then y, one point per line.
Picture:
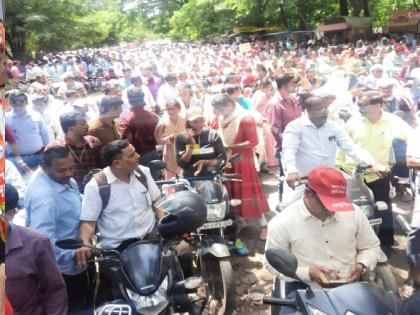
330	186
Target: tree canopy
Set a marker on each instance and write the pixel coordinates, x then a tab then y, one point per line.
52	25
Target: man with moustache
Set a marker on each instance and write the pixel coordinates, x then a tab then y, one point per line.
53	206
311	141
374	132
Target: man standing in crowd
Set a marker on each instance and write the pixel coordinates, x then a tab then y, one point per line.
104	127
151	81
29	130
85	149
375	132
53	206
136	82
312	140
34	284
282	109
139	128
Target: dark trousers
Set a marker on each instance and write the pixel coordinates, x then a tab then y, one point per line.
80	291
412	305
281	182
380	189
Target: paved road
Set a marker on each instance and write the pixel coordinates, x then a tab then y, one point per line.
250	271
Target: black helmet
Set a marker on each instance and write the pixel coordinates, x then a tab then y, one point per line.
185	212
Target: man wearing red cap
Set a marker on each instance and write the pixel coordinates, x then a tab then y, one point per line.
331	238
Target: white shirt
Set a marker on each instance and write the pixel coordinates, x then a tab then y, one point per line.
165	93
14	178
413	150
306	146
129	212
336	243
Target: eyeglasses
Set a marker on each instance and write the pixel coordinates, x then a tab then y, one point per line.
363	106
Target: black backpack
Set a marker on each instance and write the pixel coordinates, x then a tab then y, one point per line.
104	187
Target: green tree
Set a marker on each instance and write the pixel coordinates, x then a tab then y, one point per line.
199	19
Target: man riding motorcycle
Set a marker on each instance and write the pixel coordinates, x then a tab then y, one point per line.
330	237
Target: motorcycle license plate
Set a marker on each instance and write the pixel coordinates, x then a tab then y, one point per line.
215	225
375	221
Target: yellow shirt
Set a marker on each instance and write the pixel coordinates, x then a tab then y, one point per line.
376	138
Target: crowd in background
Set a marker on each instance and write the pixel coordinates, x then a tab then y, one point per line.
151	93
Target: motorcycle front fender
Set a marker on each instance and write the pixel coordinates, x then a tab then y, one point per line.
216	249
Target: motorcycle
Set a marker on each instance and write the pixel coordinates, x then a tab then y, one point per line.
347	299
361	195
208	244
147	278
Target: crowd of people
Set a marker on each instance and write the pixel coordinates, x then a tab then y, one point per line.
298	107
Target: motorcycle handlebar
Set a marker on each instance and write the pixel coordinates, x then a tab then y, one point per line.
232	176
198	178
277	301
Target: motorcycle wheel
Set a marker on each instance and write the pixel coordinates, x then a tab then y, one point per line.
384	278
219	285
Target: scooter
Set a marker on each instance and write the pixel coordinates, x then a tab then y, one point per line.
208	243
147	278
348	299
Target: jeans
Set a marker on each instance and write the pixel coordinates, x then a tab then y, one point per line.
412	305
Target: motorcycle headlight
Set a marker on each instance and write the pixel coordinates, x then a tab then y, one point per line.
349	313
314	311
153	304
216	211
367	210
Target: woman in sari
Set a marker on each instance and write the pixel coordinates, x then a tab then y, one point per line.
239	134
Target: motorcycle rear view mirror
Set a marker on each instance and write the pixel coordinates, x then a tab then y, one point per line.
282	261
69	243
157	165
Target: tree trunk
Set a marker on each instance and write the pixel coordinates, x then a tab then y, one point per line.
283	16
344	8
366	8
302	21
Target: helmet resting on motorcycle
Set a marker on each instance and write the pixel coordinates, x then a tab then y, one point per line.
185	212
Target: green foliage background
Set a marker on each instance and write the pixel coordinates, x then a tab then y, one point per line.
52	25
